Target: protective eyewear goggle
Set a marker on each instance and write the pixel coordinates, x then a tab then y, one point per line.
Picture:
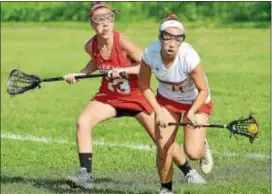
166	36
103	18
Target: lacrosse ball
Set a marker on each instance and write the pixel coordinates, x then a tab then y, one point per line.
252	128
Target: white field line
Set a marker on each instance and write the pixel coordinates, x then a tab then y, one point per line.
140	147
62	141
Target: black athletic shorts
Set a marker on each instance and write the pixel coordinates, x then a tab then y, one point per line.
126	113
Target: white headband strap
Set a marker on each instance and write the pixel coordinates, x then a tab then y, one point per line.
172	24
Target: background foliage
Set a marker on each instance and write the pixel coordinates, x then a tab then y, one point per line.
226	12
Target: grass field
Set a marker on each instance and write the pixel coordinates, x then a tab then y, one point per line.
38	128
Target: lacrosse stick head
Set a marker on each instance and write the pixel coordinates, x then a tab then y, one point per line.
20	82
245	126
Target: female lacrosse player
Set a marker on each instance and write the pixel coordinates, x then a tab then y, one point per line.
183	88
119	93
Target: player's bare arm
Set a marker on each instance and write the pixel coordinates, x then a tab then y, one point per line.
198	76
133	52
144	83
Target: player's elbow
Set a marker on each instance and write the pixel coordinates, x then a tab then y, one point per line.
204	93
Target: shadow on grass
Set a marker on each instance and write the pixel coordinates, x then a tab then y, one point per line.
60	186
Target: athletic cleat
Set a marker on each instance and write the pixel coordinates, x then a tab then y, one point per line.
206	163
81	179
165	191
194	177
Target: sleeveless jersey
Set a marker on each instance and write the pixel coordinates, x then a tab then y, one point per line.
122	93
174	82
119	86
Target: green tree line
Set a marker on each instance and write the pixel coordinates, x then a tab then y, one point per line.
226	12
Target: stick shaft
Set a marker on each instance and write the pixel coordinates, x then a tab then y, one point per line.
77	77
208	125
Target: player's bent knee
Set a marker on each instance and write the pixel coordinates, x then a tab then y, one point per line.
84	124
193	154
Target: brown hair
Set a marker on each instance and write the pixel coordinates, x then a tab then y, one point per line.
97	5
170	16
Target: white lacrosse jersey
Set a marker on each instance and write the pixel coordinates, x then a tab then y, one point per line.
175	82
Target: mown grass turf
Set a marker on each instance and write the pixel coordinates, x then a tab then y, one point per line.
237	66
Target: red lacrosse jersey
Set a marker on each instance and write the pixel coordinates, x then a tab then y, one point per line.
119	92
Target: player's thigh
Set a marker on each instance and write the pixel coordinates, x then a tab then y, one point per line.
95	112
194	137
165	137
148	122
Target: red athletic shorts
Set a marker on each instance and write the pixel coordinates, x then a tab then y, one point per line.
182	108
134	101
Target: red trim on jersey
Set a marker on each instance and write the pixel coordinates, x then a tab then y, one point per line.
176	107
172	83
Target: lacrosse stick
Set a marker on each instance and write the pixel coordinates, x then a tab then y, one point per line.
20	82
247	127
